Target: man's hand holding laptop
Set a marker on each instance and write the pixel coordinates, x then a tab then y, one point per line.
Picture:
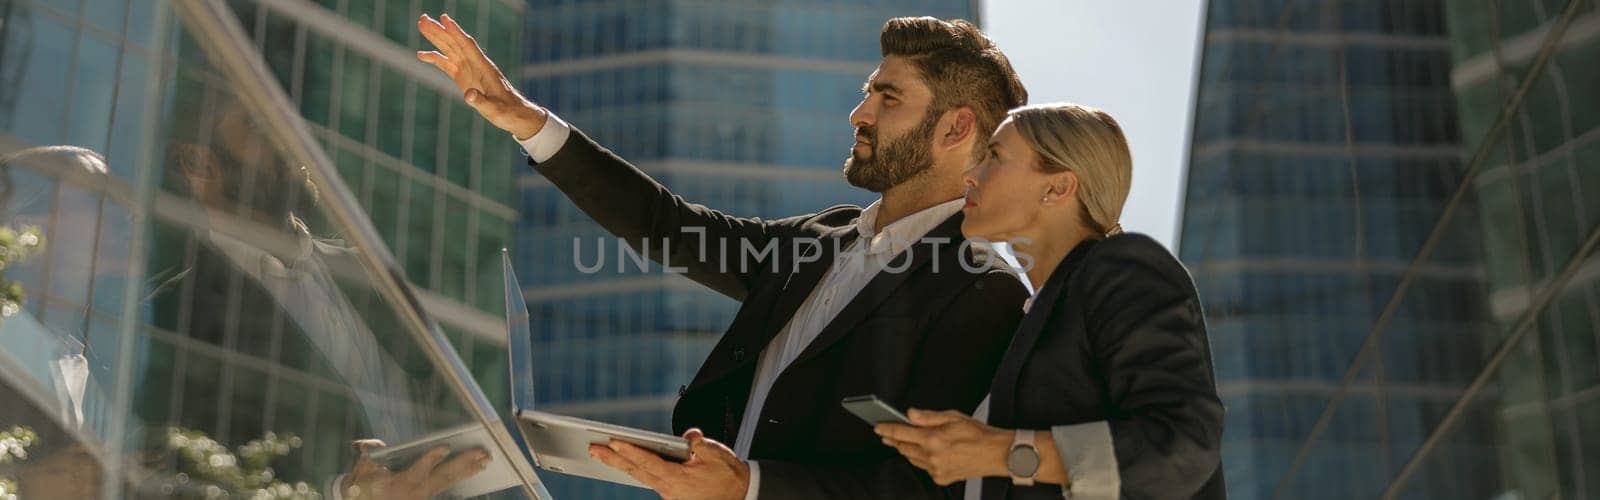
711	473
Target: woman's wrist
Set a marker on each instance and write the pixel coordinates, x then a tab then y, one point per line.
1000	440
1051	470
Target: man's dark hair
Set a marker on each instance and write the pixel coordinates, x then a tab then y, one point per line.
960	64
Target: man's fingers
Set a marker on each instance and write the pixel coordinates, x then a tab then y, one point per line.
647	461
438	60
436	34
616	461
457	33
464	42
698	444
365	446
425	465
702	448
455	469
365	467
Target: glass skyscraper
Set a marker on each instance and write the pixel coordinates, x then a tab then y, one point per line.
1326	148
1529	93
1391	216
197	303
741	106
435	178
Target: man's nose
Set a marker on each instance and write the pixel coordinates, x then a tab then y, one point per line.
861	117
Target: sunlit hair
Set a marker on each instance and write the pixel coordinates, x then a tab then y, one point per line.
960	64
1087	142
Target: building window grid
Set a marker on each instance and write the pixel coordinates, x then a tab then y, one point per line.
223	357
88	311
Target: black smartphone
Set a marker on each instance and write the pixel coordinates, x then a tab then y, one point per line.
873	410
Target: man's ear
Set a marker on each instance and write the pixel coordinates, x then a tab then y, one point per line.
957	126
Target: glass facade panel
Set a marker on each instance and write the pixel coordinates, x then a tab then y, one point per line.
1386	234
198	310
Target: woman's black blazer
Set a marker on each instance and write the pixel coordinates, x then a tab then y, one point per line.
1115	343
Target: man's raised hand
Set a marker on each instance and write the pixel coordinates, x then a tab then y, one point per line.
482	84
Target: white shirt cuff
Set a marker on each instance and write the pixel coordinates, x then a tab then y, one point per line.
336	488
548	140
1090	459
755	481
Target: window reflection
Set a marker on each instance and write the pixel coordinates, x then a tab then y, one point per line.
195	323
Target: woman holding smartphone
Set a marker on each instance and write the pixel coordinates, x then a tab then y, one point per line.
1107	389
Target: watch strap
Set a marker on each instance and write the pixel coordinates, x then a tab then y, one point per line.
1023	438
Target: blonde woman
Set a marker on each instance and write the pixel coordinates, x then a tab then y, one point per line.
1106	390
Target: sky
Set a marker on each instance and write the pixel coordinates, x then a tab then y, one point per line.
1120	57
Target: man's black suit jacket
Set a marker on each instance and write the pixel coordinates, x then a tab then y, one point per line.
1116	334
928	337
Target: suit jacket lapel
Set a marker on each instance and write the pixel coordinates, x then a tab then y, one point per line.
796	288
803	281
884	284
1002	403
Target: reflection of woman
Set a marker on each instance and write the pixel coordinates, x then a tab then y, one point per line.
1107	389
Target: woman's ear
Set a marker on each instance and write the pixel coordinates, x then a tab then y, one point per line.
1062	186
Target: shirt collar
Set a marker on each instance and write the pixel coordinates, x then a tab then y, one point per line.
903	233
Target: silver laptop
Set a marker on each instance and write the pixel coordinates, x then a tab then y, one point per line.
560	443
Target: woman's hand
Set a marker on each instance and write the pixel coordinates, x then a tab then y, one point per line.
949	445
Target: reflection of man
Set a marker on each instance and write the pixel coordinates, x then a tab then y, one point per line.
885	308
251	230
248	202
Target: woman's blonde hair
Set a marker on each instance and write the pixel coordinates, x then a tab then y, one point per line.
1089	143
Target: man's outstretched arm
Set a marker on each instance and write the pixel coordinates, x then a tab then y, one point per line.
710	245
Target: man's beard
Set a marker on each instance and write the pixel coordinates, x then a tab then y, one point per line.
900	159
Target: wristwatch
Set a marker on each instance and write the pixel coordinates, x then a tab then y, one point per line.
1023	460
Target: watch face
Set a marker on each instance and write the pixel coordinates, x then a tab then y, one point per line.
1023	461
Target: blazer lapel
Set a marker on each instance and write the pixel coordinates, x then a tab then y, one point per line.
884	284
796	288
801	283
1002	393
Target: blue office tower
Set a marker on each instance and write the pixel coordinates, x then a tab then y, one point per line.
1336	253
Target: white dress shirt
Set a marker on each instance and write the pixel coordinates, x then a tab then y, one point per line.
850	271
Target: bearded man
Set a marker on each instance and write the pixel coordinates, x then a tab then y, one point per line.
843	302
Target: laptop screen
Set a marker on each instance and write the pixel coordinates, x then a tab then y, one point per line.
520	343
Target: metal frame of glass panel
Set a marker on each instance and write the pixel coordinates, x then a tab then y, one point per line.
212	23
